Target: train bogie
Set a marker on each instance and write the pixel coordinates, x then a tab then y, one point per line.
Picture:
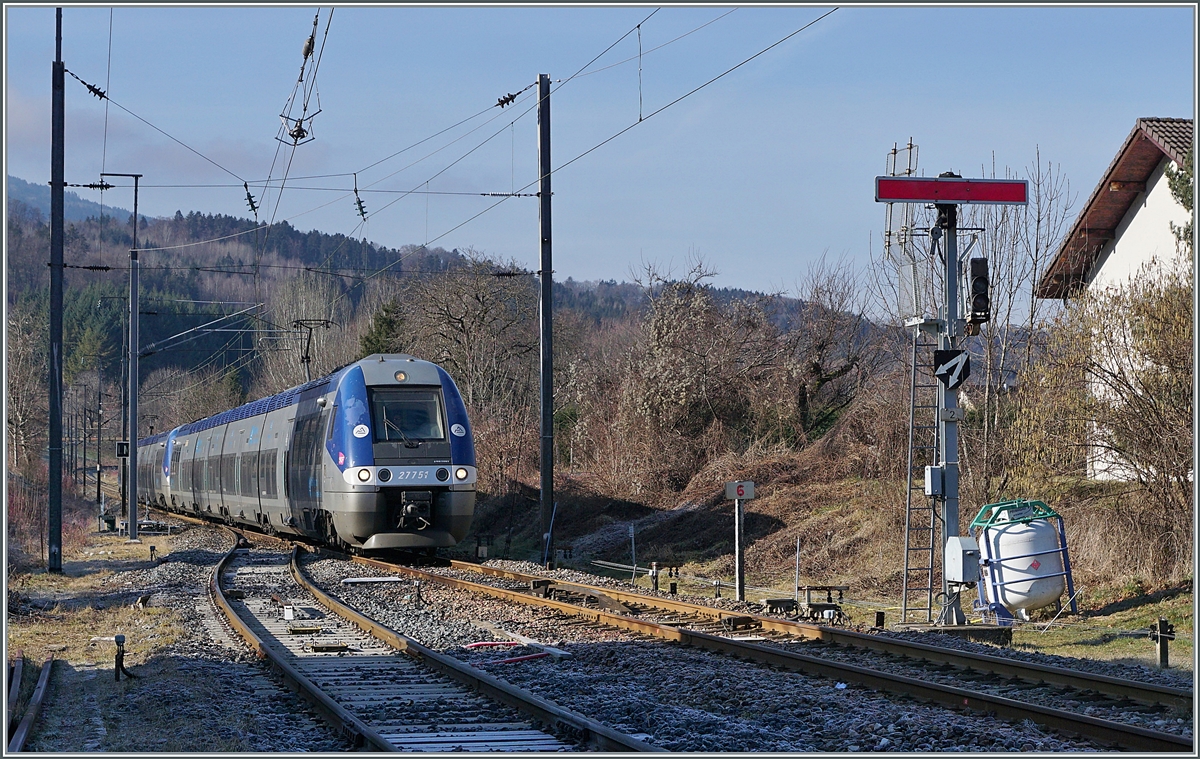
377	455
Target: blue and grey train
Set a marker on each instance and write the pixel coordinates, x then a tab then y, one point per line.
377	455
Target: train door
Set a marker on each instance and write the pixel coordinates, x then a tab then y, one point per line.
187	472
172	484
199	452
227	489
231	470
216	470
271	481
305	460
251	484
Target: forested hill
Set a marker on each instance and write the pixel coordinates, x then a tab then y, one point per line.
213	243
196	266
75	208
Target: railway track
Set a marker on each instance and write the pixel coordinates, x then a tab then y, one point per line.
19	732
768	628
1010	689
387	692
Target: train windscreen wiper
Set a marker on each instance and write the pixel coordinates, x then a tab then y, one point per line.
408	442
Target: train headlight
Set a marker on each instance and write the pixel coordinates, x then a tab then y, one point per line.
461	473
401	376
364	475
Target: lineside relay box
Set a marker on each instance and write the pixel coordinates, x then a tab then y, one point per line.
962	560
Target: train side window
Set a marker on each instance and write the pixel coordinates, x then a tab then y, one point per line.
266	473
228	474
332	416
175	454
244	475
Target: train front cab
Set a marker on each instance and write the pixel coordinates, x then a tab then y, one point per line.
401	446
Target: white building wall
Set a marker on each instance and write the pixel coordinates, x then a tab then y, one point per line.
1143	234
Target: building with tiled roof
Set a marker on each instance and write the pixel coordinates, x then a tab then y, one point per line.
1127	220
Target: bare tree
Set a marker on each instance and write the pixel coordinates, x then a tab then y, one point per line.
1018	243
308	297
175	396
835	347
28	399
479	322
1115	386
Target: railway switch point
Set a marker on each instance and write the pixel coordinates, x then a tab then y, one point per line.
781	605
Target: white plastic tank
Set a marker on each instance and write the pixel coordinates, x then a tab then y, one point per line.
1029	583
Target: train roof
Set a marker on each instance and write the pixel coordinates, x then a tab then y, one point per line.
288	397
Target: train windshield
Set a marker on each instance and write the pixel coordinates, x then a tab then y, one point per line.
406	416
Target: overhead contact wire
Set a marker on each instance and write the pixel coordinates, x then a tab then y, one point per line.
104	96
657	47
614	136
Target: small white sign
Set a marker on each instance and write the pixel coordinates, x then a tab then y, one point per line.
458	430
739	491
362	430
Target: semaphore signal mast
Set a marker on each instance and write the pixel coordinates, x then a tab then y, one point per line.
952	365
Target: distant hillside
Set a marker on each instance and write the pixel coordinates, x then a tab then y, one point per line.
75	208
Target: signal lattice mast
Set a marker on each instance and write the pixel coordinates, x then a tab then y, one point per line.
952	365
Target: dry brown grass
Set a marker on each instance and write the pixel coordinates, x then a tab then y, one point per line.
27	529
73	607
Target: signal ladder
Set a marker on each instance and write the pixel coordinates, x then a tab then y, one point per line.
920	517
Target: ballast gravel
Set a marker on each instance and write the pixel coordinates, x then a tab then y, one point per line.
1178	678
202	692
676	698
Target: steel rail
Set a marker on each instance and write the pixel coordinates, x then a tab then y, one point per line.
16	672
359	733
17	743
586	731
1104	731
1146	693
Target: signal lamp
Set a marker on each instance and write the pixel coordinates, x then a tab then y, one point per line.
980	301
461	473
364	474
401	376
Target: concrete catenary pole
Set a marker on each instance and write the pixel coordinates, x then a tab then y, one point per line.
57	185
546	310
133	370
99	426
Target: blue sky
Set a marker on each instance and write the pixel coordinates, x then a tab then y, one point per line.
760	173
